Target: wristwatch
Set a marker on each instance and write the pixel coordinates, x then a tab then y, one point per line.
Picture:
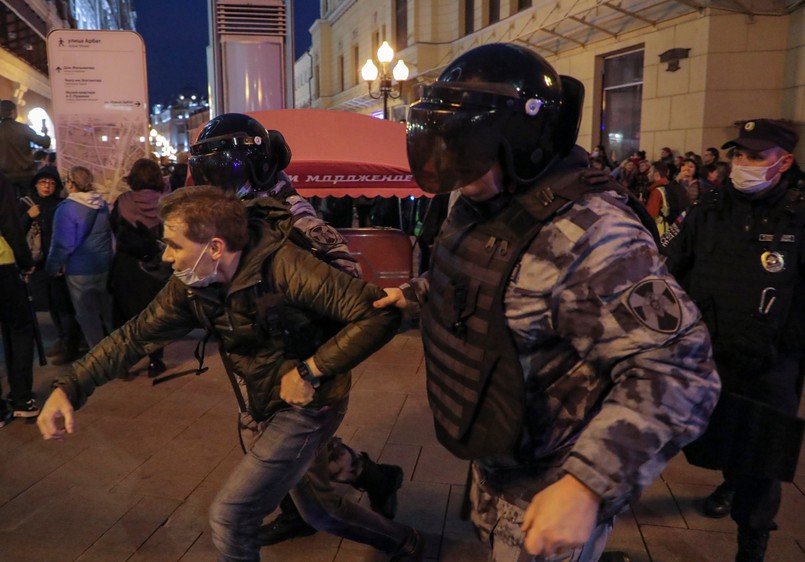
307	376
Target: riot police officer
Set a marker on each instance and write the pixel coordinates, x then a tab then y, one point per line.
561	355
236	153
740	253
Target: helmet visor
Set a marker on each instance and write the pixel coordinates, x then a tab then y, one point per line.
228	170
454	136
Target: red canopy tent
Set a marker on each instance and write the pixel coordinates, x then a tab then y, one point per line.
341	153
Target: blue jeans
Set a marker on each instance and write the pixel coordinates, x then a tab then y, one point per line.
93	305
291	454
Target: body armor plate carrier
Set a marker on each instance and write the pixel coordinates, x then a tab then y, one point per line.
475	382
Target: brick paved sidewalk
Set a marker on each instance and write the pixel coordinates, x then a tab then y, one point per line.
135	481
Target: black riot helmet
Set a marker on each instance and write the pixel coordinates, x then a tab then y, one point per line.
495	103
236	153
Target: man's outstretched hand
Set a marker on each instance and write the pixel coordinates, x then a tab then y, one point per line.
394	297
57	417
560	518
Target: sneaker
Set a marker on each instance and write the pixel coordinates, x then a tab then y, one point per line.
27	410
718	504
5	415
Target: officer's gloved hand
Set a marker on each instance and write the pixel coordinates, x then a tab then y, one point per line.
594	177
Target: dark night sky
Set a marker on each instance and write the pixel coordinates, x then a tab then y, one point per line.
176	35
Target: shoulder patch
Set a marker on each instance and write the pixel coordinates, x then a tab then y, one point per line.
654	304
324	236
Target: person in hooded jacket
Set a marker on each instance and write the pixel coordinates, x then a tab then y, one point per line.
37	212
137	228
81	250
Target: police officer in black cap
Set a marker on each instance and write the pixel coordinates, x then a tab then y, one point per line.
741	256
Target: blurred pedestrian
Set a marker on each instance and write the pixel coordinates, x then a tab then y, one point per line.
688	177
667	199
667	158
16	156
178	175
81	250
711	156
16	264
37	212
138	230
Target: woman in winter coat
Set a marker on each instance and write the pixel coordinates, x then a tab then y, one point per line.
37	212
688	177
137	229
81	250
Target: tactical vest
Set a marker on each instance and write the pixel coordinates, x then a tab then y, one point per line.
755	257
475	381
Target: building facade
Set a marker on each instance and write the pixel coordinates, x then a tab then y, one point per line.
657	73
176	121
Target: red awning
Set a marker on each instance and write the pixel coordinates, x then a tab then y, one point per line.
341	153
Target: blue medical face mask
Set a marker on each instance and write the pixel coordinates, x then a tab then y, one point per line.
192	279
753	179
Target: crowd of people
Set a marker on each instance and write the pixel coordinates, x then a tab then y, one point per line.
600	285
68	252
669	185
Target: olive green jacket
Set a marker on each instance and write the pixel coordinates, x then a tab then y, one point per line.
309	289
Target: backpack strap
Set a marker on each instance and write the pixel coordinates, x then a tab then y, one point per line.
201	346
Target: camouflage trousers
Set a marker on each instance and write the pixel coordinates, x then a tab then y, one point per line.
345	465
498	523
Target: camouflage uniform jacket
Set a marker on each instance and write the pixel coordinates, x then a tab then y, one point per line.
325	239
258	356
618	365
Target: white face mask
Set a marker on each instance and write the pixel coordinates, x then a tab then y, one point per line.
190	278
752	179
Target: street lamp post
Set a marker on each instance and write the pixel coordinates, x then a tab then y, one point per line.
385	54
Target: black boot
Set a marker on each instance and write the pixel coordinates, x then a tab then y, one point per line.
155	368
719	503
68	354
288	525
413	550
615	556
380	482
751	545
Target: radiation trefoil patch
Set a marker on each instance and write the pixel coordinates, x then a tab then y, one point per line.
654	304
